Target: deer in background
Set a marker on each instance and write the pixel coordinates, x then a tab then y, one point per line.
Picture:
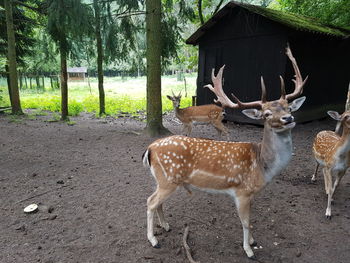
210	113
332	150
238	169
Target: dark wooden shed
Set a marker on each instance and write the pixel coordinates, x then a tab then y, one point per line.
251	41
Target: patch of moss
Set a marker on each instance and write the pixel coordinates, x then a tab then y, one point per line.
296	21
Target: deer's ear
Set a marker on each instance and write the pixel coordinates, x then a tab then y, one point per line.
253	113
296	104
169	97
334	115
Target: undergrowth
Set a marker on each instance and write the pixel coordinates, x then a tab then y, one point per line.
114	106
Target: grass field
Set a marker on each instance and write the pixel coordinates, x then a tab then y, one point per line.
122	95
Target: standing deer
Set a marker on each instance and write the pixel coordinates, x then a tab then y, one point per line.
332	150
239	169
338	131
210	113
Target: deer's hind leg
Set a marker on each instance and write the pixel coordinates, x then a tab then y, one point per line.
154	203
313	178
161	218
328	186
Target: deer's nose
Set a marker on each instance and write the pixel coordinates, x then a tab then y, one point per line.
287	119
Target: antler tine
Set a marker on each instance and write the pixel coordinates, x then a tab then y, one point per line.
217	89
283	89
173	93
253	104
298	81
263	90
221	96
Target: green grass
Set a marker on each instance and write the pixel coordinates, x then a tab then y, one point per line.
122	95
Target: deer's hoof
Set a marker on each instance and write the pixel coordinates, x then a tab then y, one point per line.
254	244
329	217
157	245
253	257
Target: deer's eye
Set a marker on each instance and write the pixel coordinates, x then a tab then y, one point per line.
267	113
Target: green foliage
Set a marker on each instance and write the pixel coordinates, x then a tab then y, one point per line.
24	25
335	12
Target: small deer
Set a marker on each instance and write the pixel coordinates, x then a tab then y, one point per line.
332	151
210	113
238	169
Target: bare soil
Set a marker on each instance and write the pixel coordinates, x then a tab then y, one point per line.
91	188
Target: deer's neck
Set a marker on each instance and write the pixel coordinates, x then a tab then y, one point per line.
178	112
276	152
344	142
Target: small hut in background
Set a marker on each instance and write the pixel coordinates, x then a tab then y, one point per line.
251	40
77	73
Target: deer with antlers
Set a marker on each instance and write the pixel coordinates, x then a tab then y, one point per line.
239	169
331	150
210	113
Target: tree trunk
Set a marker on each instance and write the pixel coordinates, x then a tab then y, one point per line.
153	54
8	82
20	80
11	55
64	83
99	57
25	81
37	82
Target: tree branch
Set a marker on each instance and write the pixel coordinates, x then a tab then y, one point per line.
186	246
218	7
200	13
36	9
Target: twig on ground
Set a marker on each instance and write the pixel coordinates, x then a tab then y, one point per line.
187	248
30	197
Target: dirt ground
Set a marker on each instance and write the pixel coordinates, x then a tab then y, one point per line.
91	188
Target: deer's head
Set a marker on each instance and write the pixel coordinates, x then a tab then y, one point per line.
277	114
176	99
343	118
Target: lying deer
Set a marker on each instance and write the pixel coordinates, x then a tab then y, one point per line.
210	113
239	169
332	150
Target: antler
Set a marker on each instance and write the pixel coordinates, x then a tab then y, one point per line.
217	89
224	100
298	81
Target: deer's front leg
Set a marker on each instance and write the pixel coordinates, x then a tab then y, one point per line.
243	208
187	129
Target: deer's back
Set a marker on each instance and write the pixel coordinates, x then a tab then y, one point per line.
202	113
325	147
203	162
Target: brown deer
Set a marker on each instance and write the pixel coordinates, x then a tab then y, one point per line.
332	151
210	113
338	131
239	169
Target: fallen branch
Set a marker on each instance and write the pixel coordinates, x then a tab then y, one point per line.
187	248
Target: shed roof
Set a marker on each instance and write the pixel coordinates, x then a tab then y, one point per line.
295	21
77	70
